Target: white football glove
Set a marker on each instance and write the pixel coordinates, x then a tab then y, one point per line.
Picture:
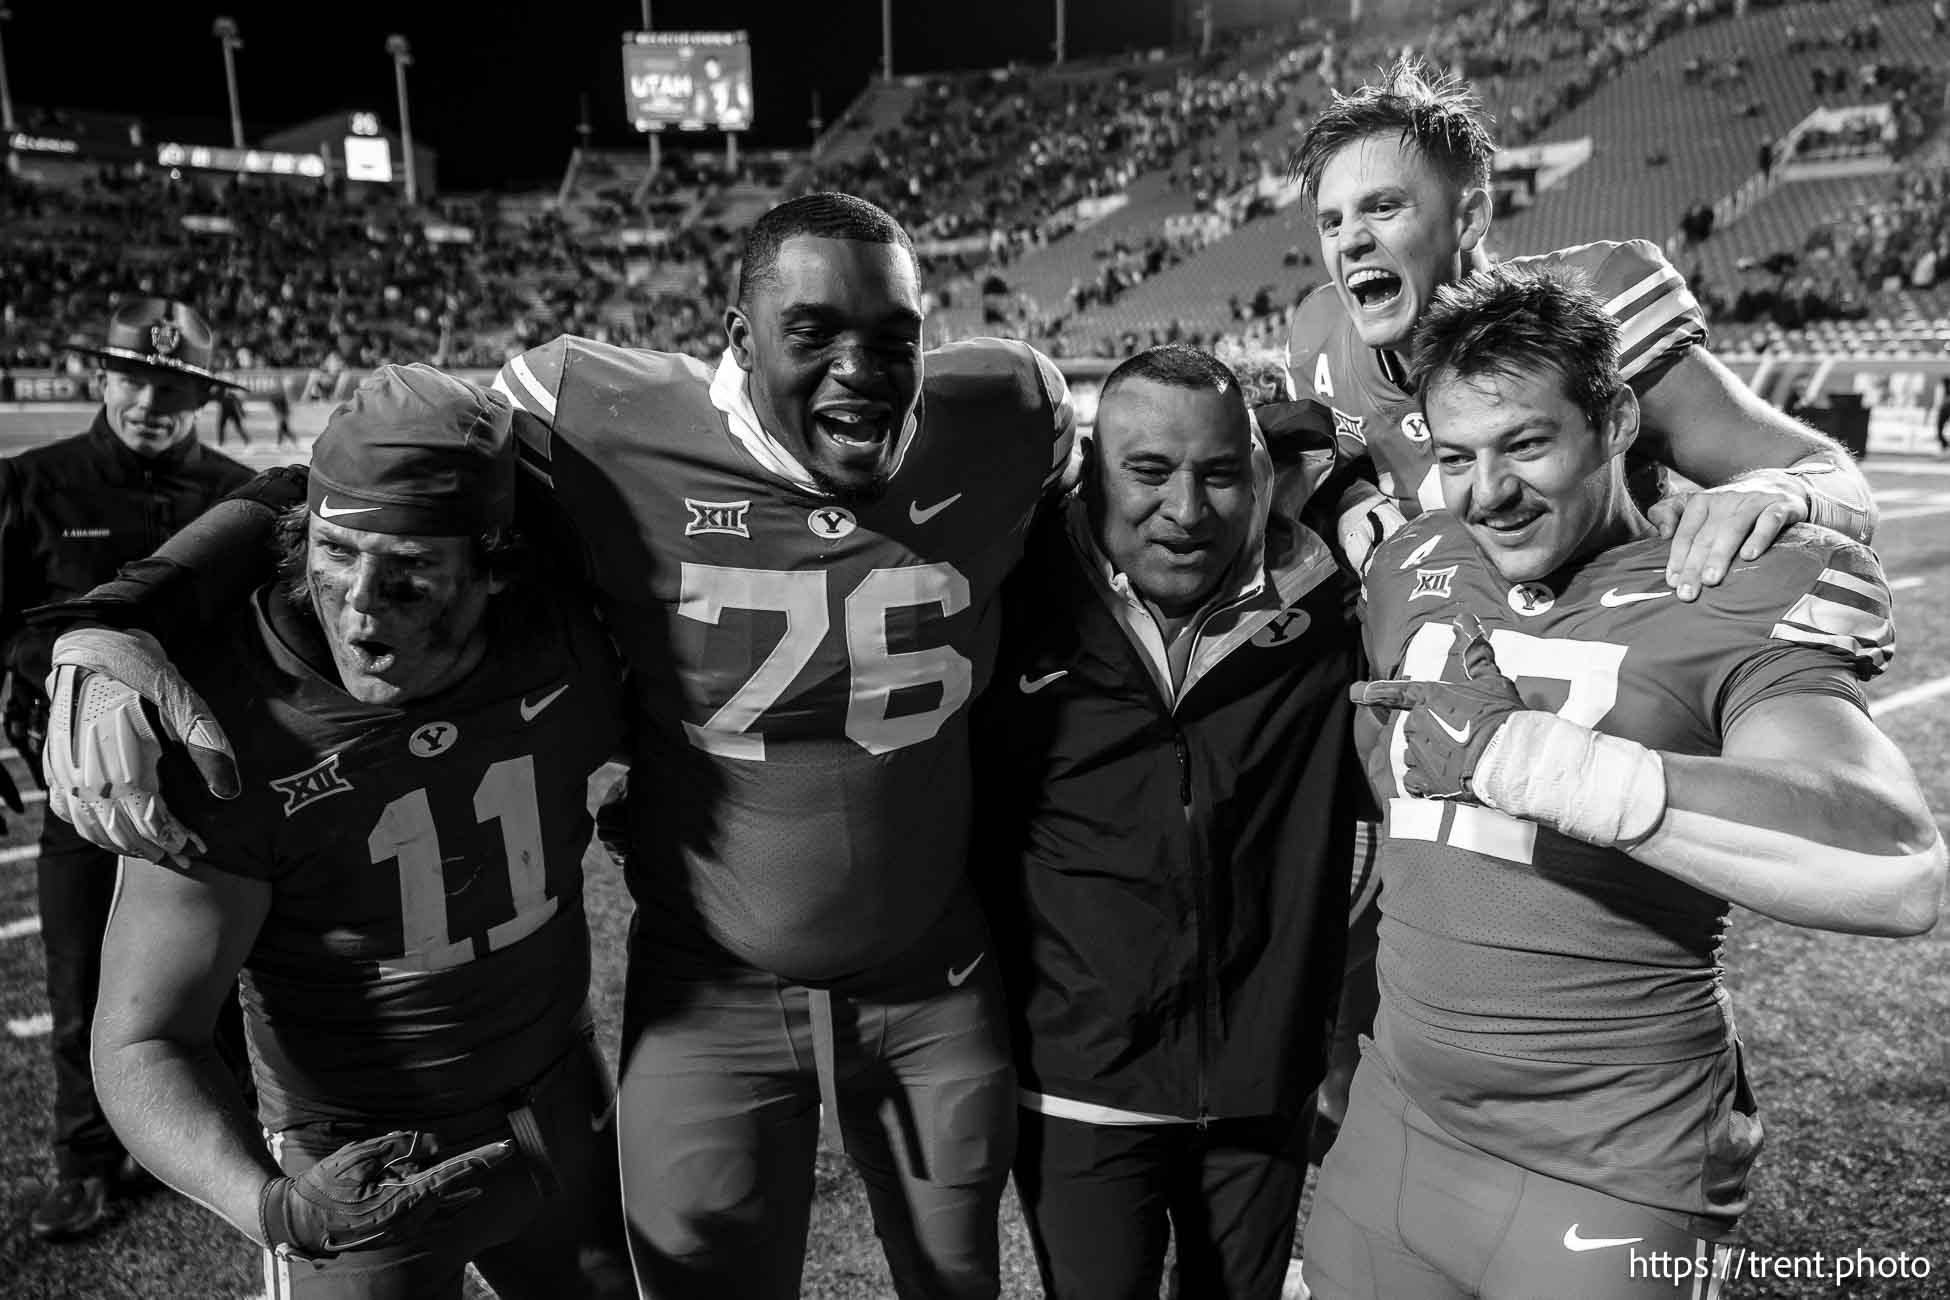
102	753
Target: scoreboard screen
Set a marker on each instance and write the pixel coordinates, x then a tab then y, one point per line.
693	81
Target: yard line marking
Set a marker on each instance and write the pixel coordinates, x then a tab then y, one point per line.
22	853
1933	467
1912	695
33	1026
1904	584
1913	512
1902	493
20	929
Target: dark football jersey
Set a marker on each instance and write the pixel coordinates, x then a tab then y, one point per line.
1657	317
1504	942
426	950
802	668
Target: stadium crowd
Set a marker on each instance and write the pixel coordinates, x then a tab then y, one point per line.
983	168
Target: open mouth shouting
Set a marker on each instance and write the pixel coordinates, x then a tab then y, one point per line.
1373	289
855	431
371	656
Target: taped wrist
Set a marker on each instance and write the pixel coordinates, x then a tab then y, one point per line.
1601	789
1835	500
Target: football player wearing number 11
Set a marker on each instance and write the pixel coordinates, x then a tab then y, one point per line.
1581	773
799	553
399	883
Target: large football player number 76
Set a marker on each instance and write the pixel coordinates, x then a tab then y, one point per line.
1589	672
707	590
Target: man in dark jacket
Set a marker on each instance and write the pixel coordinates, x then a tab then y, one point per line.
1166	822
71	513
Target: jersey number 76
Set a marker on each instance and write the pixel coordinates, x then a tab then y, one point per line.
707	590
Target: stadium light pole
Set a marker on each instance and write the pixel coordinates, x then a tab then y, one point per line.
6	94
656	137
225	30
1060	15
402	53
887	39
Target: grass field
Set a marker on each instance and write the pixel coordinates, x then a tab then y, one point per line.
1848	1040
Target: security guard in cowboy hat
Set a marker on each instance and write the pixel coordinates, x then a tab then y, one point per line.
71	513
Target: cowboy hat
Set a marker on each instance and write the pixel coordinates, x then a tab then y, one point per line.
157	334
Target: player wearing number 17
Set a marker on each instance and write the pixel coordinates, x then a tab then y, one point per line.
399	882
1581	773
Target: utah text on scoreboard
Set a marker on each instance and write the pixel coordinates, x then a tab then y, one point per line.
694	81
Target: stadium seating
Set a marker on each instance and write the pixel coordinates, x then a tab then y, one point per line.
1708	135
1092	207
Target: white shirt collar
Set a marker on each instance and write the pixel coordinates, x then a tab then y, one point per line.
731	394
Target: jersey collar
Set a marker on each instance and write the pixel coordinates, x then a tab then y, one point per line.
731	394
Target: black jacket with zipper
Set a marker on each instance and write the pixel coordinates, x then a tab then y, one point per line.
74	511
1167	880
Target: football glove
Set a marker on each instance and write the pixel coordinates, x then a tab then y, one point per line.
1448	724
103	750
23	717
373	1193
1367	518
10	795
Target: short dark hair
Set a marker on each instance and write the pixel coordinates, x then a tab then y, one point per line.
1435	112
821	216
501	552
1175	365
1512	321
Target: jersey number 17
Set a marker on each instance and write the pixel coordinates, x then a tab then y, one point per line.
1589	671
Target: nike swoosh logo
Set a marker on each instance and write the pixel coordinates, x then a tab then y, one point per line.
326	510
957	978
528	711
1612	599
1573	1242
1031	685
921	516
1420	553
1460	737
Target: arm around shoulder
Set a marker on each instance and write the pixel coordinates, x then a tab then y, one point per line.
1719	433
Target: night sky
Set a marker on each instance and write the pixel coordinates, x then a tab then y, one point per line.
499	94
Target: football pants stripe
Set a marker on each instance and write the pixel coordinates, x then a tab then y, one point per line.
1722	1262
